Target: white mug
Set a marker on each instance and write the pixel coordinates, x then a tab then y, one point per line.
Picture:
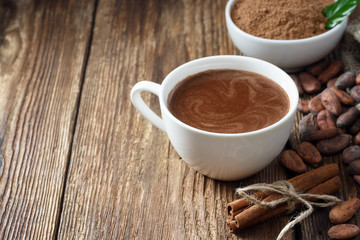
219	155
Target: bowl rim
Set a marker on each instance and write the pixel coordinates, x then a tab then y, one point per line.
326	34
288	116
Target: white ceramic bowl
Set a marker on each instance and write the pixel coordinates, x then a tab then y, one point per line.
290	55
219	155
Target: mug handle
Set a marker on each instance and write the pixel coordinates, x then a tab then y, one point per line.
141	106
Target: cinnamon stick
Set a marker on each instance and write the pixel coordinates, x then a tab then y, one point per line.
237	206
308	180
301	183
330	186
231	224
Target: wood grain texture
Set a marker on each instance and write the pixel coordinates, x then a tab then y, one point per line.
10	58
125	179
77	161
42	49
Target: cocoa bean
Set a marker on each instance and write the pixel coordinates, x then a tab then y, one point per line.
317	68
331	102
315	104
354	167
332	71
291	160
357	79
309	83
357	139
355	93
309	153
320	134
331	83
296	80
343	96
357	178
344	211
347	118
355	127
345	80
334	145
351	153
343	231
308	124
303	106
325	119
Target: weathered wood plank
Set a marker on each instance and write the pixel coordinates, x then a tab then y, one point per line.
43	45
125	180
10	58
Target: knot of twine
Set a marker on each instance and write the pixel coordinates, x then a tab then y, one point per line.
289	196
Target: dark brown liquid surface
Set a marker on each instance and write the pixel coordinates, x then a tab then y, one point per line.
228	101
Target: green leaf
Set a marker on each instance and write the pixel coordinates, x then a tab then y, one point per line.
337	12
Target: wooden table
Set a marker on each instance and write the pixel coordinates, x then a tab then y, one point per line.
77	161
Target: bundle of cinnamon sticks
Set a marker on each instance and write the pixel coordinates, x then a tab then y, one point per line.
242	213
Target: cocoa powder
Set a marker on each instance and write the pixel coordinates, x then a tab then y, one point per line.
280	19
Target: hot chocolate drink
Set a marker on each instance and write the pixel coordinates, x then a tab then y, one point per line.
228	101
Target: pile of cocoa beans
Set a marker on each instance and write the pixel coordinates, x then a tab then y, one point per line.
339	215
330	125
331	122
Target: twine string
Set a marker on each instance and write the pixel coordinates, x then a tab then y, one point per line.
289	196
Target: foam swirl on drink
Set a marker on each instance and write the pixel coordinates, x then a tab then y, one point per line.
228	101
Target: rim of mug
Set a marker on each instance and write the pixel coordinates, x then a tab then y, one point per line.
289	114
